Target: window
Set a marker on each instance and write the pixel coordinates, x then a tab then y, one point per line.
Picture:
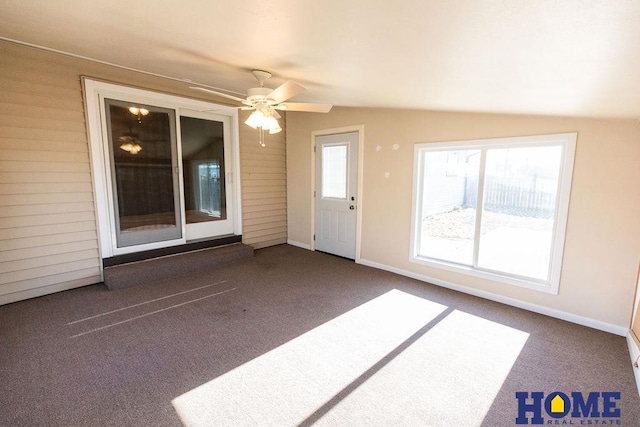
494	208
334	171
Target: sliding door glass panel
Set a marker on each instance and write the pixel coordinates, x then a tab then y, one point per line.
519	207
203	169
142	142
449	205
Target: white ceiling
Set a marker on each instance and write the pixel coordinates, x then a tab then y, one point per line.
568	57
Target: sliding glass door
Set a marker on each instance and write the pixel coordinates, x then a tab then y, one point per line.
168	173
206	150
144	179
164	168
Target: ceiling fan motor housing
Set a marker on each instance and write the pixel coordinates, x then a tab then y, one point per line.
258	94
261	76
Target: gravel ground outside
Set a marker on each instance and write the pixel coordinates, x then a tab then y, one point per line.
460	224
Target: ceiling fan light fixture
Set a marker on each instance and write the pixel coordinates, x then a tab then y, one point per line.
269	123
137	111
255	120
131	147
266	102
276	129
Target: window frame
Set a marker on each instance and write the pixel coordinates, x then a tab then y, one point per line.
567	142
346	171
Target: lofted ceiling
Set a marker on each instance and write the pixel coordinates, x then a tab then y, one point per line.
569	57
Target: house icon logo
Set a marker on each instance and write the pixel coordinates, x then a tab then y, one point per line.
557	405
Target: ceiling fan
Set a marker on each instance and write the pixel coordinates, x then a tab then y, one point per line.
266	102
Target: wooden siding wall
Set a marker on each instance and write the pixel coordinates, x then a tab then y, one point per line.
48	235
264	187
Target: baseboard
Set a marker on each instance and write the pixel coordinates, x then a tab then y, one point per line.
299	245
634	353
558	314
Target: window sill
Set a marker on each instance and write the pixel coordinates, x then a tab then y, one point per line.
532	284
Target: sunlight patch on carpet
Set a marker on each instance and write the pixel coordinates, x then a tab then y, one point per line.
288	384
450	377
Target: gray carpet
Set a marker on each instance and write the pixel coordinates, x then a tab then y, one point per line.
168	267
291	337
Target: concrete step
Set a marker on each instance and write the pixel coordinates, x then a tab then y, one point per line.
152	270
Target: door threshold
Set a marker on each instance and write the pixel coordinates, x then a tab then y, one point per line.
191	245
337	256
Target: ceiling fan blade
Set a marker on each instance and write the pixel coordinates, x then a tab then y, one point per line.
303	106
285	91
224	95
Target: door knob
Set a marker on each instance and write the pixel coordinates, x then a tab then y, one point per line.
352	207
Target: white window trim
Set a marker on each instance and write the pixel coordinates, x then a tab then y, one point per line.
95	91
568	143
347	171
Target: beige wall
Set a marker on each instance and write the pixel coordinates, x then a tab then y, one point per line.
48	237
601	251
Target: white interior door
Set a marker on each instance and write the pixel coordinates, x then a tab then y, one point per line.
336	186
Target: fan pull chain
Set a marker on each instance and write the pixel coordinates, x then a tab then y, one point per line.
262	138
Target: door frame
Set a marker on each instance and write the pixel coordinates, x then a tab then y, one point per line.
228	160
94	93
359	186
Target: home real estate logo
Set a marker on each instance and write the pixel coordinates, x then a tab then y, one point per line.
558	408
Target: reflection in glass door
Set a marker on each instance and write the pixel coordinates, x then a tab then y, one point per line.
208	192
205	146
143	153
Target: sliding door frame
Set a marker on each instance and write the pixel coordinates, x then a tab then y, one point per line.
95	92
198	230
